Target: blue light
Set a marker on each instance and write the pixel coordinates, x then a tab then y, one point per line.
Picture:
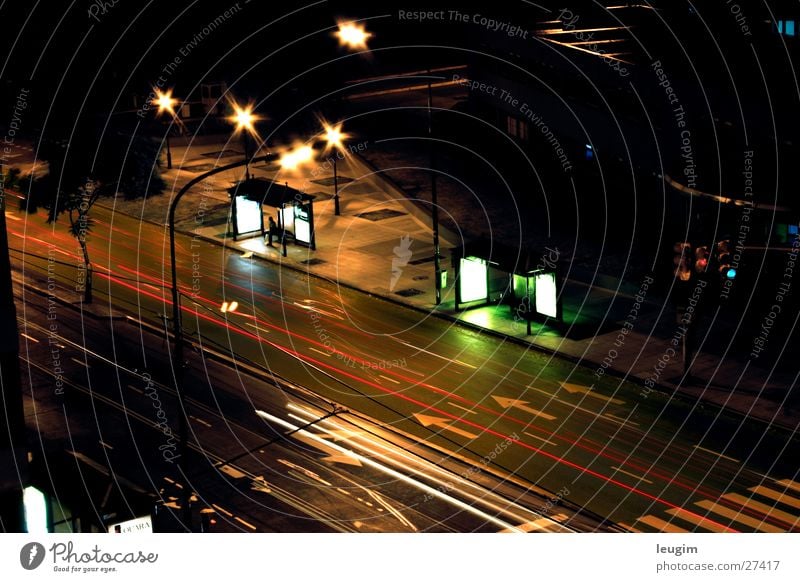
730	273
589	152
789	28
780	27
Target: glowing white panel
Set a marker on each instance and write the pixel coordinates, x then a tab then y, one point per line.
248	215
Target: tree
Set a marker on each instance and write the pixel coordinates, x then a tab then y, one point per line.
81	170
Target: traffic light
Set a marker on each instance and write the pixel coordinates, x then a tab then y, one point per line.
681	261
727	272
701	259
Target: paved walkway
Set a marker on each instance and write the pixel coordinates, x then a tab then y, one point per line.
382	244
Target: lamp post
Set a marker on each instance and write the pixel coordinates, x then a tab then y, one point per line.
177	329
166	104
353	36
334	140
437	267
243	118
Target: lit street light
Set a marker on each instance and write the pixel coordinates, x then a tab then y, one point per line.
334	139
166	104
244	120
292	159
352	35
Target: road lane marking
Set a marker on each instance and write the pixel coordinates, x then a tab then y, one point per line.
739	517
660	524
589	391
761	508
507	403
413	347
789	484
622	420
135	389
232	472
538	525
240	520
453	404
77	361
540	438
106	445
320	352
640	478
26	336
698	520
387	378
776	496
710	452
443	424
200	420
333	455
254	326
576	406
630	528
225	511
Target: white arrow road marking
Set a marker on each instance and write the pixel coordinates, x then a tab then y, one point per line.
334	456
577	407
589	391
442	423
521	405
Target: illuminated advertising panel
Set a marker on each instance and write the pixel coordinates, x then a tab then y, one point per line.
287	219
302	225
546	294
472	279
248	215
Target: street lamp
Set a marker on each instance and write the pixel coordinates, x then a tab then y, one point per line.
177	329
244	120
352	35
166	104
292	159
334	139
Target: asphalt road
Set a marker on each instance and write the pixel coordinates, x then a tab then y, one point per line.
645	461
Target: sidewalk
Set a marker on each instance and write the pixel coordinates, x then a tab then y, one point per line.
382	244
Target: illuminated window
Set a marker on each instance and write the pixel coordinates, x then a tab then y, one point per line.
517	128
785	27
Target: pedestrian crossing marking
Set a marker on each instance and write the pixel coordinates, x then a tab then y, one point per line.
789	484
661	525
698	520
736	516
776	496
761	508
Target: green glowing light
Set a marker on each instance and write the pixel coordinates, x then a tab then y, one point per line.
473	280
546	294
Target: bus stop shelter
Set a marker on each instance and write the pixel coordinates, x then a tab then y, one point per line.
488	273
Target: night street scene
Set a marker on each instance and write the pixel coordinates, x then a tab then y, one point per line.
400	267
